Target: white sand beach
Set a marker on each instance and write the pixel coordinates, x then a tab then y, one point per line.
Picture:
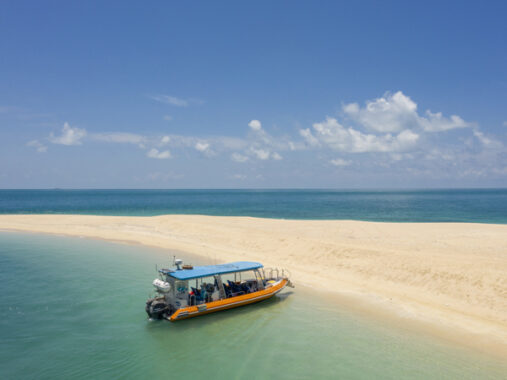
450	276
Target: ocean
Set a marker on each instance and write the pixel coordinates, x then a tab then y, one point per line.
73	308
465	205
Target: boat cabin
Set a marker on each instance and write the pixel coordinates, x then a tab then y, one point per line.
203	284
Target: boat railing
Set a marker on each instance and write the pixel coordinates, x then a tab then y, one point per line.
275	273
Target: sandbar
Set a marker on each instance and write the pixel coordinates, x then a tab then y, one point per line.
452	276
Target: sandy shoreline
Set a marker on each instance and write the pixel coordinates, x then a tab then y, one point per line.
449	275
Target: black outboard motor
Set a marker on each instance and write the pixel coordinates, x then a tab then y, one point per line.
157	308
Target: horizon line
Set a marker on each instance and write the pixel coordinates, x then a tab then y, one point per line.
259	188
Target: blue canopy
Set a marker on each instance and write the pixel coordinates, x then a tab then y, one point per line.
210	270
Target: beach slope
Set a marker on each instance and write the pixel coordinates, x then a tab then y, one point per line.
452	276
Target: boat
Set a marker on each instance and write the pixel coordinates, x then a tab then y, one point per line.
187	291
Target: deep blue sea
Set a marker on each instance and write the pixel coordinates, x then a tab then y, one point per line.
464	205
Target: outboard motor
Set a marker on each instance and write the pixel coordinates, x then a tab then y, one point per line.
157	308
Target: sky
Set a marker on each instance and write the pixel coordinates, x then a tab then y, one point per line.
264	94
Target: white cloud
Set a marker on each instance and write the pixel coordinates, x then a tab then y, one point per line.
386	114
70	136
171	100
309	137
380	126
337	137
255	125
239	176
435	122
505	123
204	147
487	141
340	162
261	154
41	148
218	143
168	117
239	157
396	112
351	108
155	153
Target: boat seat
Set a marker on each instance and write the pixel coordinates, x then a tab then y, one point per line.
227	290
235	287
198	294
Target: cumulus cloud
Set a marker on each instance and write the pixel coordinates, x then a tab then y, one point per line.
155	153
390	125
239	158
390	113
396	112
69	136
334	135
261	154
39	147
255	125
435	122
262	146
340	162
309	137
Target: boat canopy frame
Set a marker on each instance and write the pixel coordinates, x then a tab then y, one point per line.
211	270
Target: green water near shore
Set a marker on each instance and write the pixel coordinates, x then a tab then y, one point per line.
74	308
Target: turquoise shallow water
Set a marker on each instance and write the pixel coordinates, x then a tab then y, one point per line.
466	205
74	308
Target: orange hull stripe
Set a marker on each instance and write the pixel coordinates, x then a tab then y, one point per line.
228	303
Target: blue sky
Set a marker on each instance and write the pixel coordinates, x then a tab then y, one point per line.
260	94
